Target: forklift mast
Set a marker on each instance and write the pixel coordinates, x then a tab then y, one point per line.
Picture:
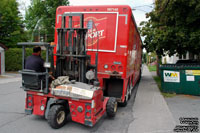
71	56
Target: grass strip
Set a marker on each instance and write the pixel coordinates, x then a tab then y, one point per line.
158	82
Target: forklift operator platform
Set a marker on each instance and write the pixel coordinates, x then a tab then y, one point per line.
35	73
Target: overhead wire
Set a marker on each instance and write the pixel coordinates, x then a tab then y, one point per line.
149	5
140	6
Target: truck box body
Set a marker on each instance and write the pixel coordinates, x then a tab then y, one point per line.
112	32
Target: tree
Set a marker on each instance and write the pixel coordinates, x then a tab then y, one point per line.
40	16
11	24
173	27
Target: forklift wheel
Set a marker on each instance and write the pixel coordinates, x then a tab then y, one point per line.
57	116
111	107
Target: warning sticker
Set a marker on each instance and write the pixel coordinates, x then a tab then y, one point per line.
192	72
190	78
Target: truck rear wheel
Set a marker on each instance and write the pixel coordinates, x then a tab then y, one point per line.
111	107
123	104
127	97
129	89
57	116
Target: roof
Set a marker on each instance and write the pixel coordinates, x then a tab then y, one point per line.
3	46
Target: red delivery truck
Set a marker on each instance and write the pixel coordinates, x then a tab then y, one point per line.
96	62
116	38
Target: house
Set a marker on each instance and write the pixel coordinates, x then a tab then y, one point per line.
174	58
170	59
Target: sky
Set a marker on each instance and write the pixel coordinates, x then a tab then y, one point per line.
23	4
141	7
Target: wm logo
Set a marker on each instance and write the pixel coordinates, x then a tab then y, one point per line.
171	74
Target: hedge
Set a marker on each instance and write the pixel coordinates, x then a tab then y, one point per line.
13	58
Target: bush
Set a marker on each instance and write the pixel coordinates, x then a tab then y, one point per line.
152	68
13	58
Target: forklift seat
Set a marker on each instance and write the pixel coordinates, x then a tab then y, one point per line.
32	80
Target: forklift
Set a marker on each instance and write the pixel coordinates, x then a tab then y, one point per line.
76	90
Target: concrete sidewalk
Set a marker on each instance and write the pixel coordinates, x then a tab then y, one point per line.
150	111
10	77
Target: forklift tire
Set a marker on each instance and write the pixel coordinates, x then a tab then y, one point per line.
111	107
57	116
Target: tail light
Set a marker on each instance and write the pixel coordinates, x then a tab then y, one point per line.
113	67
73	113
88	114
88	110
73	109
29	104
120	68
30	101
88	107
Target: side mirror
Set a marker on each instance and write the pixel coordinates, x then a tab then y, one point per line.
47	65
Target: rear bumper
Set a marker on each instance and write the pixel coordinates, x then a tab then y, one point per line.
28	111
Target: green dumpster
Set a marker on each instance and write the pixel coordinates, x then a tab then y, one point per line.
180	79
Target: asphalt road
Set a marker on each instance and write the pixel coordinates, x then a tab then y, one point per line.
184	106
13	118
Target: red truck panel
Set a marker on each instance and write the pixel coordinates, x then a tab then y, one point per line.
119	43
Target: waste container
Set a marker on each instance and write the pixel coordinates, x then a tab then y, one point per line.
180	79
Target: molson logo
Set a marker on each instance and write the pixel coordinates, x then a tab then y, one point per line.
96	30
93	36
171	76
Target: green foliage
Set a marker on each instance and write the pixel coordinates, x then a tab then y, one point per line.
13	58
43	14
173	27
152	68
11	25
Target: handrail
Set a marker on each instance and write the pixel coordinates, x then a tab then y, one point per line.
34	43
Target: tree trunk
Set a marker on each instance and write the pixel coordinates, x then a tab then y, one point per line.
157	65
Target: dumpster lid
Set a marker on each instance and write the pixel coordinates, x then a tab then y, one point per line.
180	66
